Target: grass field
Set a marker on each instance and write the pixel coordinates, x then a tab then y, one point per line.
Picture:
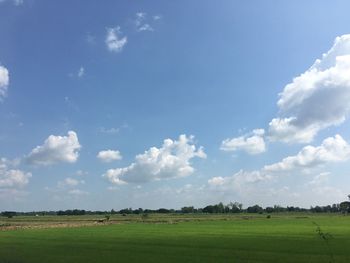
177	238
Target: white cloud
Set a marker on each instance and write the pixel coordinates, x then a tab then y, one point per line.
114	40
252	143
317	99
4	81
319	187
145	27
56	149
332	149
218	180
81	72
91	39
70	182
140	17
109	156
109	130
10	196
113	130
258	184
172	160
15	2
319	179
81	173
239	180
77	192
12	178
141	22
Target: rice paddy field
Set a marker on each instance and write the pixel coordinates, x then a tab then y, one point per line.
176	238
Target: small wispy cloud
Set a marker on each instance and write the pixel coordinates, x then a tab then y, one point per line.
15	2
114	39
70	182
81	72
157	17
146	27
109	130
77	192
143	23
91	39
4	81
81	173
113	130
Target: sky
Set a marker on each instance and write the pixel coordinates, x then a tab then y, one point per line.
173	103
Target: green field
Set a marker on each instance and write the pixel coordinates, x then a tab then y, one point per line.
178	238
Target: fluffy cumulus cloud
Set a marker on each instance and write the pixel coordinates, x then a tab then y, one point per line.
332	149
252	143
12	178
172	160
109	156
4	81
56	149
317	99
114	39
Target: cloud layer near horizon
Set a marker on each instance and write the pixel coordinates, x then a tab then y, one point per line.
332	150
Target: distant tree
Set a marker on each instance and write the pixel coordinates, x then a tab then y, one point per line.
220	208
255	209
235	207
318	209
163	210
8	214
187	209
209	209
269	209
125	211
345	207
335	208
278	208
137	211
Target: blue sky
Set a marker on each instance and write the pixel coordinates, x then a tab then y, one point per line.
230	96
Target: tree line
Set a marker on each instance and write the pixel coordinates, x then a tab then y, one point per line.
220	208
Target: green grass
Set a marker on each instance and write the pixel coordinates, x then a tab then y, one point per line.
284	238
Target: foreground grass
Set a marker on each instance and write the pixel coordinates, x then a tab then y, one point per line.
203	239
